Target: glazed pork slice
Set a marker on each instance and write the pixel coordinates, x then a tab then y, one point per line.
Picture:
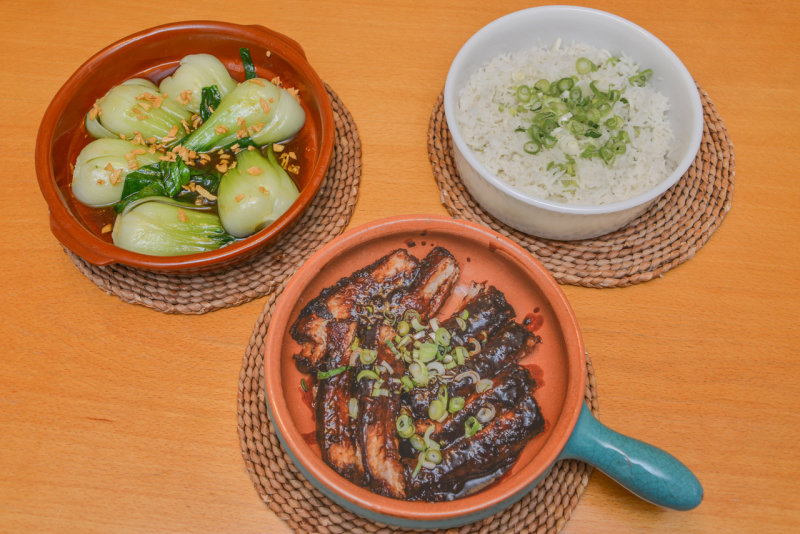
505	348
344	299
487	312
508	389
336	432
433	283
488	453
379	407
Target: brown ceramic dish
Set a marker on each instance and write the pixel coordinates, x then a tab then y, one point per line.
558	363
482	255
154	53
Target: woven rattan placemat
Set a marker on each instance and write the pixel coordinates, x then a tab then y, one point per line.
666	235
197	293
292	498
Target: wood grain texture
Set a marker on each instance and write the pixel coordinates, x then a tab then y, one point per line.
114	417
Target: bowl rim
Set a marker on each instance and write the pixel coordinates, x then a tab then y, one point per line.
73	235
450	99
419	513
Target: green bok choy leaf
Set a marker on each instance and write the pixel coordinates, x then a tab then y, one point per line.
161	226
255	108
167	179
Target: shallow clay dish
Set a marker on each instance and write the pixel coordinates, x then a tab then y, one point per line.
558	364
153	54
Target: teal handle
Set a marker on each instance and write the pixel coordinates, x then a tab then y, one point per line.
647	471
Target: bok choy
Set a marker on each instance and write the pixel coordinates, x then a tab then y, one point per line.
196	72
188	164
101	169
161	226
256	109
254	194
168	179
137	106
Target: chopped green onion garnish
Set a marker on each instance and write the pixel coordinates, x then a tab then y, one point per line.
367	373
436	367
420	459
523	93
404	425
437	409
367	356
419	373
403	328
376	387
485	414
408	385
303	384
472	426
460	355
403	341
429	443
322	375
442	336
456	404
433	456
391	346
428	352
584	66
589	152
607	155
389	317
641	78
419	465
417	443
565	84
352	408
614	122
484	384
532	147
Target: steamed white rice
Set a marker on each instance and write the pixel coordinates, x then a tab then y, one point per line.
487	118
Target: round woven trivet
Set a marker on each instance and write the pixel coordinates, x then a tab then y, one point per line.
292	498
666	235
326	217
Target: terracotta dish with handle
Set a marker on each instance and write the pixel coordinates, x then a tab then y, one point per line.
155	53
558	364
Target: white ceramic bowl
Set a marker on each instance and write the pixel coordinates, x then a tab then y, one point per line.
541	26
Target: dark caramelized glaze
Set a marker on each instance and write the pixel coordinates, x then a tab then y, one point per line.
363	312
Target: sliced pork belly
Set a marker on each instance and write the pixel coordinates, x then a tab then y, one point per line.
345	299
336	432
489	452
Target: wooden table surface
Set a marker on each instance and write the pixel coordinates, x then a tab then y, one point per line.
117	418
